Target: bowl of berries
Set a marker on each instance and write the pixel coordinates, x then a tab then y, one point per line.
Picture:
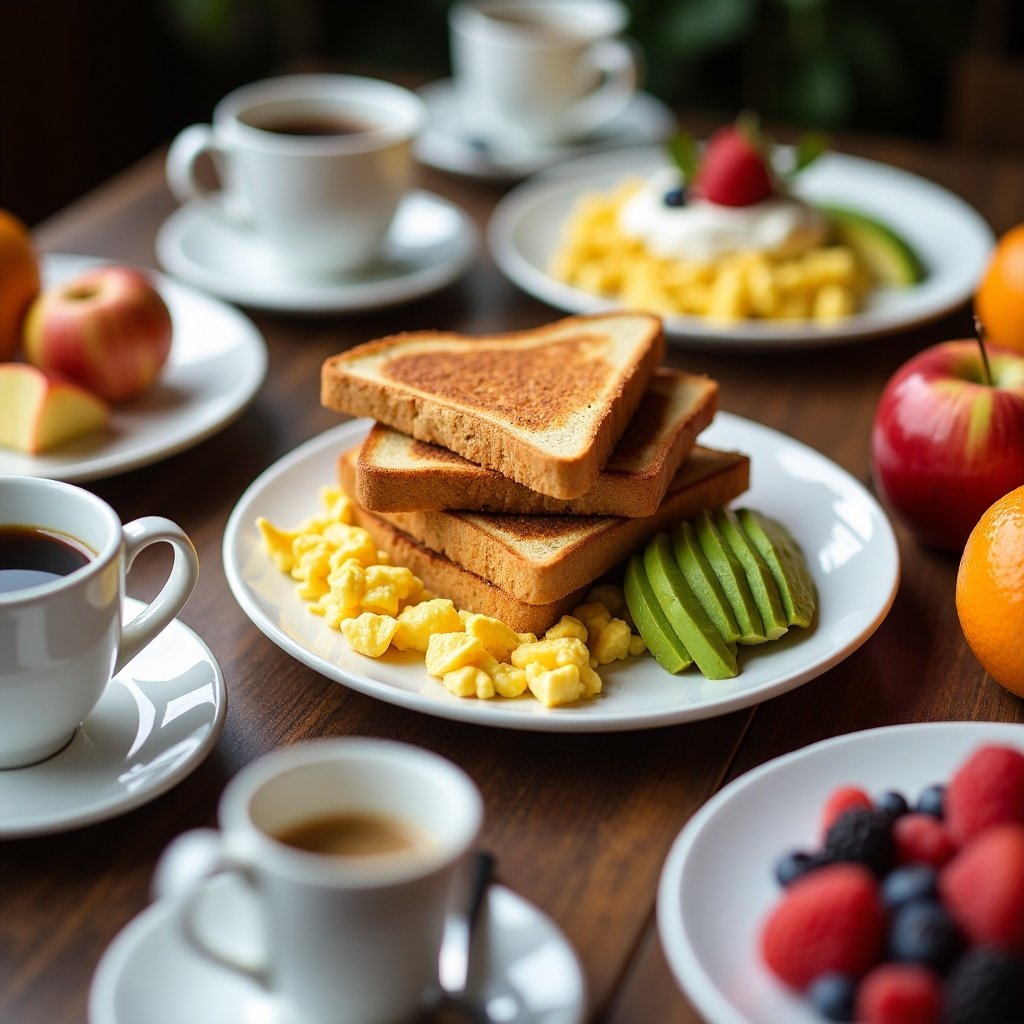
875	878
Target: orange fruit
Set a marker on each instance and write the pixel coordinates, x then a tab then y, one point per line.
19	280
990	591
999	300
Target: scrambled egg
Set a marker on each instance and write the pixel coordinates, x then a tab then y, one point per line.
344	577
824	283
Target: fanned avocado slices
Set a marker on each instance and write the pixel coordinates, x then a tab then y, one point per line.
661	639
888	257
786	561
703	581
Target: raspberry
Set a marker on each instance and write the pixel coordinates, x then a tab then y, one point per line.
863	835
829	920
985	986
899	994
986	790
841	801
733	171
983	888
921	838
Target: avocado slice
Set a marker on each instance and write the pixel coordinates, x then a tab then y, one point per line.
732	577
703	581
712	655
759	577
661	639
786	562
887	255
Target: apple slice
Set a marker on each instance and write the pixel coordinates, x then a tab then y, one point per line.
39	410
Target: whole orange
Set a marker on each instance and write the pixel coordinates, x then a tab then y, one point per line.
19	280
990	591
999	300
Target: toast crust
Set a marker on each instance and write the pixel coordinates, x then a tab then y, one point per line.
544	406
540	559
396	473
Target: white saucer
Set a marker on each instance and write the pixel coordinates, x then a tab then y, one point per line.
523	968
448	146
432	242
154	725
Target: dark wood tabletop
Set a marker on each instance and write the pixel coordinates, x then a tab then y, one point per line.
580	823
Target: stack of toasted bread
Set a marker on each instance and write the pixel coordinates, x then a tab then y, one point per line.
511	471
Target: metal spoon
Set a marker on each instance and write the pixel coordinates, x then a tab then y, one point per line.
453	1005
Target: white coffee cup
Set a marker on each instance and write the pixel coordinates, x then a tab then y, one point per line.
348	939
536	72
316	165
61	640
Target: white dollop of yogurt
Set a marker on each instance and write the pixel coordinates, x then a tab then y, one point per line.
704	231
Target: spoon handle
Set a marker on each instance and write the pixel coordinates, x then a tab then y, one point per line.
458	939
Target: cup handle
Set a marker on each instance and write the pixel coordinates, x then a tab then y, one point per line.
180	168
181	581
617	62
183	874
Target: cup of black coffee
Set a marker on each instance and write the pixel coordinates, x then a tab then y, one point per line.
63	559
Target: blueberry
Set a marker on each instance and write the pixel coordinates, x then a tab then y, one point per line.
894	804
909	883
675	197
932	801
922	932
833	996
793	865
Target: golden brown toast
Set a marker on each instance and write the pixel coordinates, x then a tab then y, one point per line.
545	406
396	473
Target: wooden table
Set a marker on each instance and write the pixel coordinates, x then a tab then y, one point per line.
581	823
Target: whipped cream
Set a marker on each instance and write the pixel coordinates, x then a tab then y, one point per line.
704	231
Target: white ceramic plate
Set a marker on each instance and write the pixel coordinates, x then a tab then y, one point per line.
154	724
952	239
524	969
717	885
217	363
432	243
844	533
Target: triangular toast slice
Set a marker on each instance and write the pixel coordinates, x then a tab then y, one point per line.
545	406
539	559
396	473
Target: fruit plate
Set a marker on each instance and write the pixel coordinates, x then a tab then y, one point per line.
844	534
952	239
717	886
217	363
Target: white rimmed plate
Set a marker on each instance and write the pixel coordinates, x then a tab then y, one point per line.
717	885
952	239
844	533
217	363
431	243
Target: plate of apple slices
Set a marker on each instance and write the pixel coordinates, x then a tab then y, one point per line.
190	365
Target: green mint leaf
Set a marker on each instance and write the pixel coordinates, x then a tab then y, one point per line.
683	150
808	148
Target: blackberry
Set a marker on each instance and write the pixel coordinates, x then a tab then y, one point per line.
862	835
924	933
833	995
909	883
985	986
793	865
932	801
893	803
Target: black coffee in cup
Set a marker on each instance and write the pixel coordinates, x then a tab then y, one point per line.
32	555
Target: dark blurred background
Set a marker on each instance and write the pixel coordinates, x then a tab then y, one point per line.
90	87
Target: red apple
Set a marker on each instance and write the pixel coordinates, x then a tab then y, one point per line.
109	329
946	442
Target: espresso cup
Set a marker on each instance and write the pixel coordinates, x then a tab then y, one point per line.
539	72
63	559
350	850
315	165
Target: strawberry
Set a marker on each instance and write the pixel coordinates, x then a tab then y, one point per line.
829	920
733	171
983	888
839	802
899	994
988	788
922	839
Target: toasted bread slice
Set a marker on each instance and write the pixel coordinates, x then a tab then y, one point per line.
469	591
539	559
543	406
396	473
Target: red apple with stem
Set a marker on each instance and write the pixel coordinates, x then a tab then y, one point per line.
948	437
109	329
